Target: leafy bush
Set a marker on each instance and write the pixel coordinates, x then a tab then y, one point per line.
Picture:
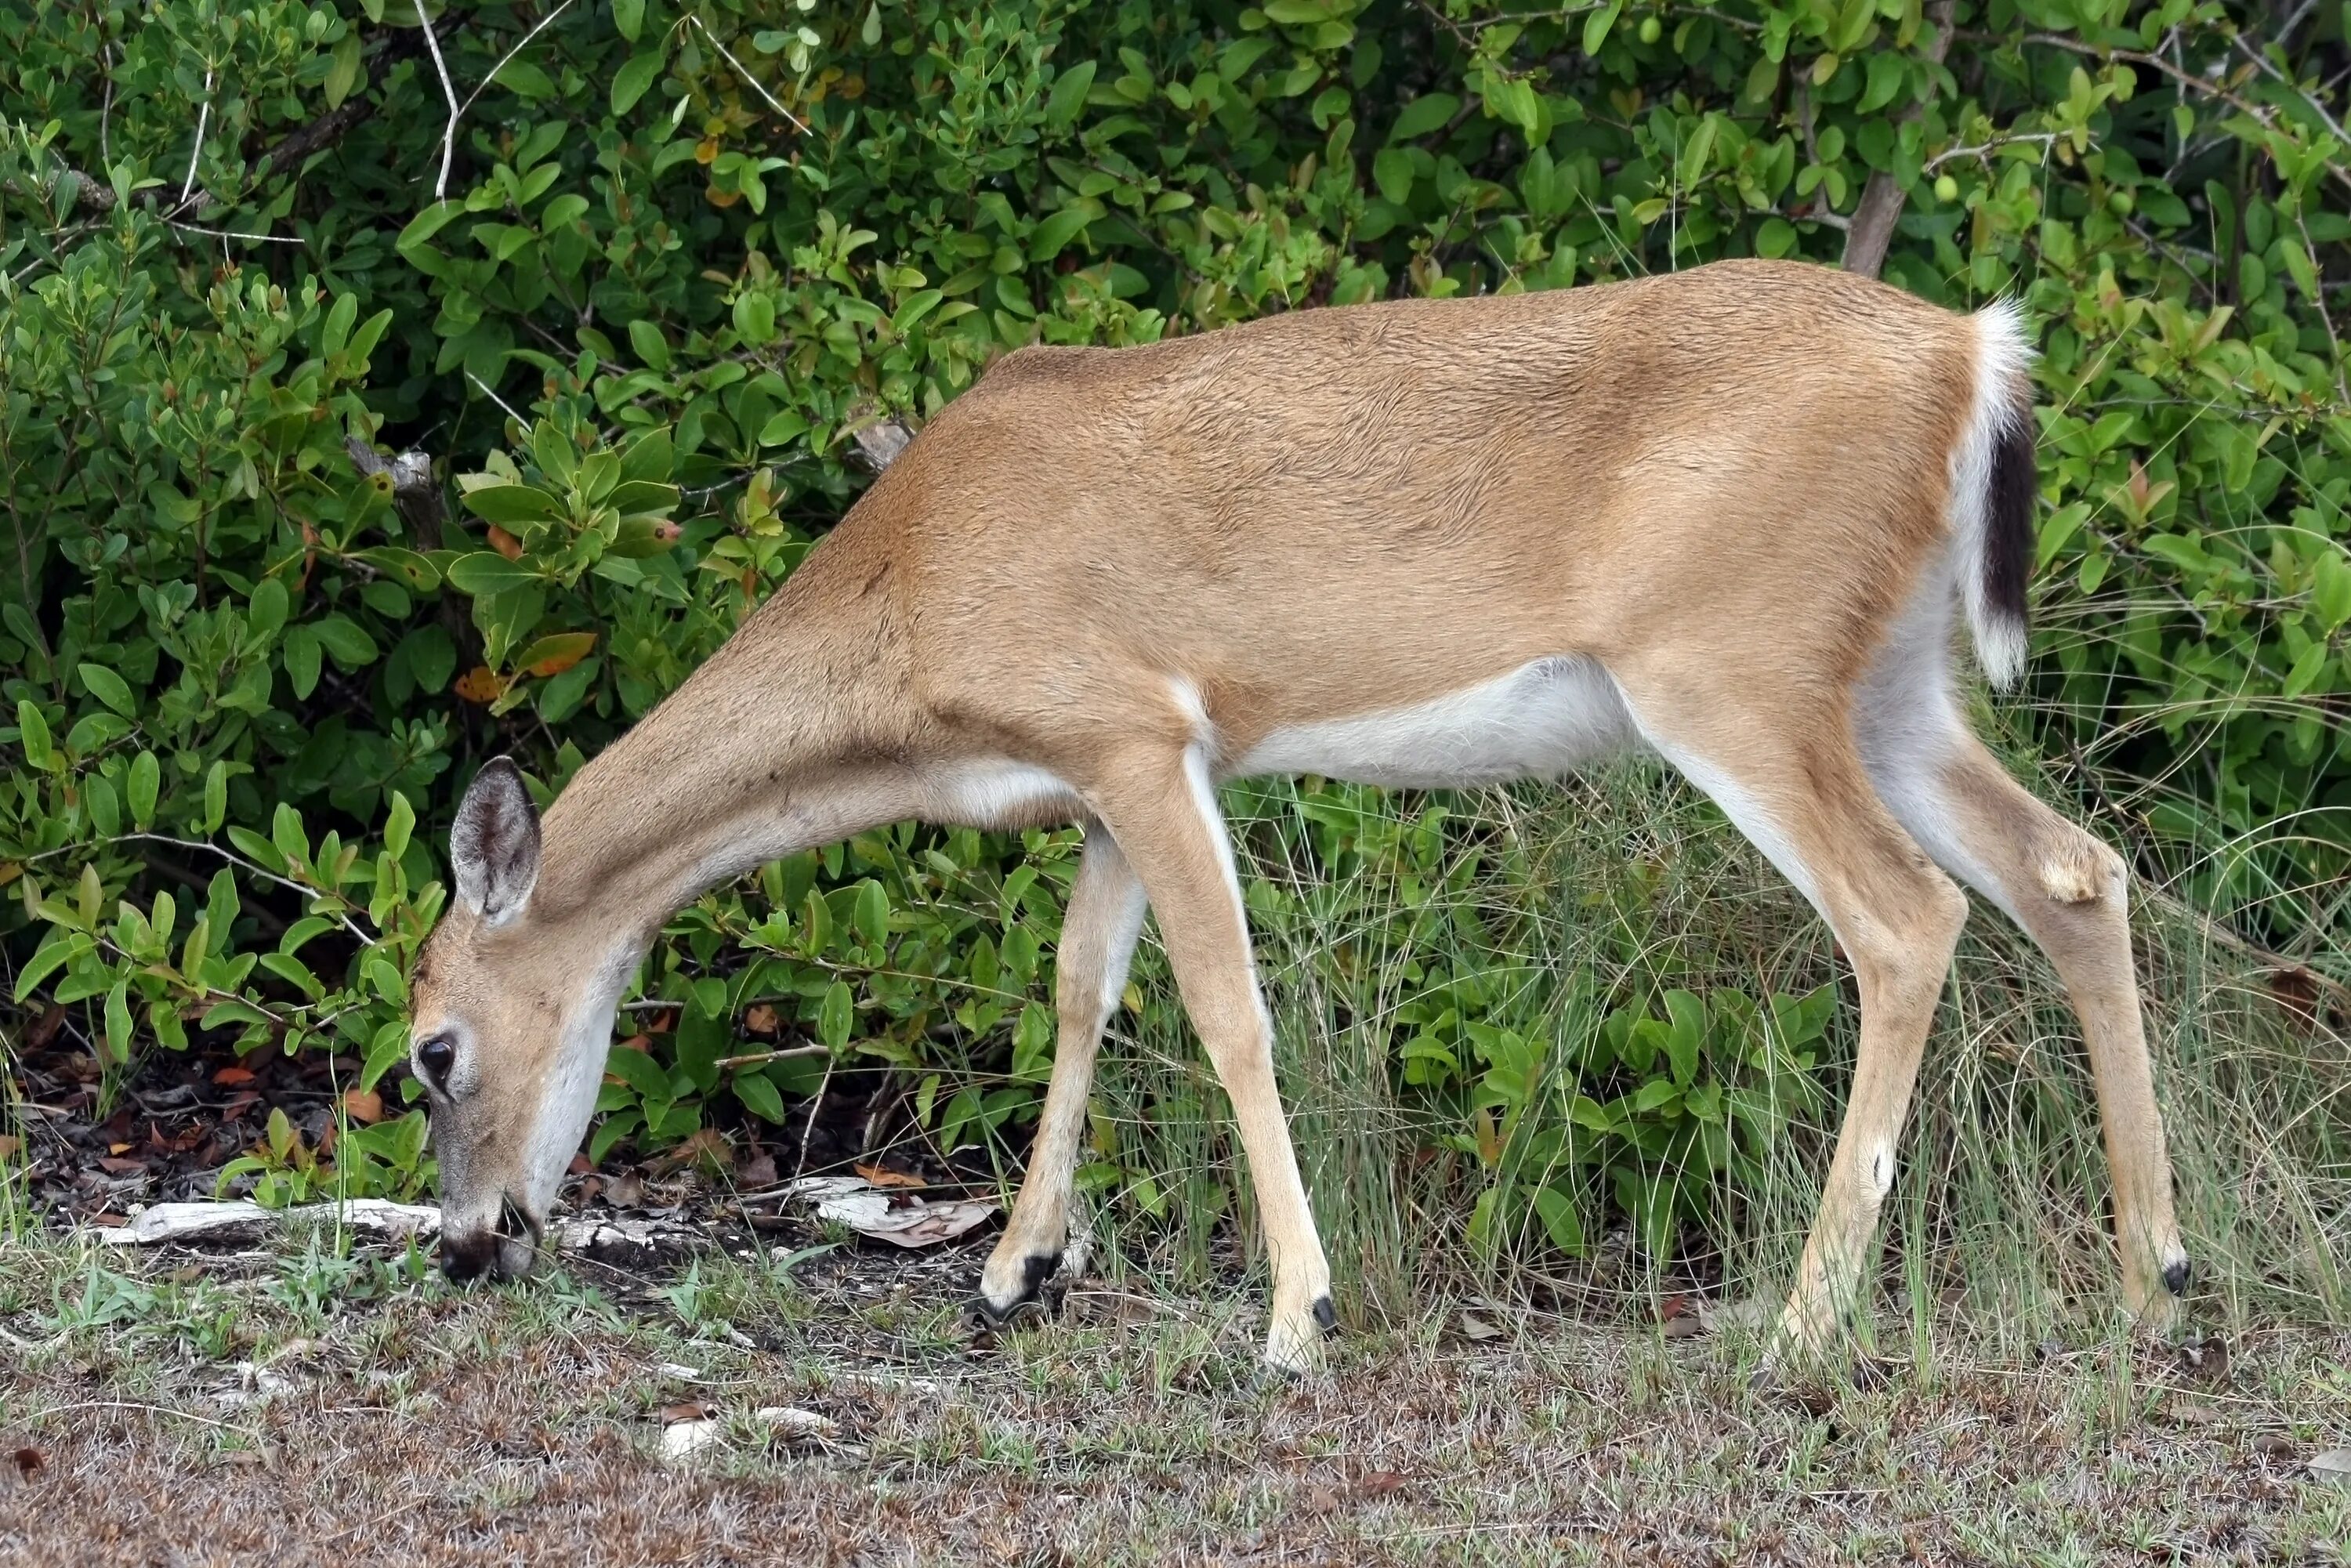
640	296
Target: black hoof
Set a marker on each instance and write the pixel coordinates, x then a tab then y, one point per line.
1326	1316
2175	1278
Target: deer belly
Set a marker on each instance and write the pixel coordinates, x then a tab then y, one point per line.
1540	721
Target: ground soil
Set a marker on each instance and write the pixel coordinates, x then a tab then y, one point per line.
286	1403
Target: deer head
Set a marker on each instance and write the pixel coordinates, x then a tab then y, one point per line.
512	1015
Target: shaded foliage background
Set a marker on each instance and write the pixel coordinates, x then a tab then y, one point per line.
626	285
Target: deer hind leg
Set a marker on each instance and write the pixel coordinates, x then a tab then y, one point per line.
1791	781
1164	812
2069	893
1098	934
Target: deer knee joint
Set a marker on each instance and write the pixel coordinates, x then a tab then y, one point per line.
2081	870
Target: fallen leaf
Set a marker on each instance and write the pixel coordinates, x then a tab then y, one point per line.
684	1438
579	1165
794	1424
504	543
1684	1325
1477	1329
229	1076
1322	1500
553	655
9	1145
113	1166
626	1190
2334	1465
882	1175
31	1462
1379	1483
914	1224
760	1018
759	1171
109	1221
686	1410
363	1105
480	686
116	1148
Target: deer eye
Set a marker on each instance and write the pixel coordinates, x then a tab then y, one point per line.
435	1058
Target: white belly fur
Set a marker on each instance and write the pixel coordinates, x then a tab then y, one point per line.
1540	721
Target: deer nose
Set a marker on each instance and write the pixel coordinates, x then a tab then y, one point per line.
464	1257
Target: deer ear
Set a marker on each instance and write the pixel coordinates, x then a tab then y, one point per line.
494	843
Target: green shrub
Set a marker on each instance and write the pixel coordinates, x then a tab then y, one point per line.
670	263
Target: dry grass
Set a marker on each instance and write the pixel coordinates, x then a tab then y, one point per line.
417	1423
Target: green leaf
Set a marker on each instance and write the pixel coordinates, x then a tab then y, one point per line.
416	570
639	1071
1423	115
141	786
629	16
486	572
1557	1211
1069	95
873	912
633	79
427	224
1687	1033
99	802
33	734
299	648
759	1096
2307	670
340	317
118	1022
345	639
107	687
513	505
1054	234
266	611
2330	589
1596	26
649	458
651	346
836	1015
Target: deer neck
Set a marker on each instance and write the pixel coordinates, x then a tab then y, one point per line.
794	734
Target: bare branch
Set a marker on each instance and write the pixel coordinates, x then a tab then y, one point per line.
203	118
1881	199
449	135
414	489
503	59
747	76
880	442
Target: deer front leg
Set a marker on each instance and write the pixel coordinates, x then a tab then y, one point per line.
1098	933
1164	812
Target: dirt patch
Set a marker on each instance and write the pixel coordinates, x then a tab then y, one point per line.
299	1407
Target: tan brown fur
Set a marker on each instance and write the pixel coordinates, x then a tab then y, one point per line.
1101	571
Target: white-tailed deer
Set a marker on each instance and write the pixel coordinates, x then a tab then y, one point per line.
1733	514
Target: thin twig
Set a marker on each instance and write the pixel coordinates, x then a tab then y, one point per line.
449	133
2047	138
203	118
808	1127
234	858
507	58
747	76
234	234
2285	81
494	397
757	1057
